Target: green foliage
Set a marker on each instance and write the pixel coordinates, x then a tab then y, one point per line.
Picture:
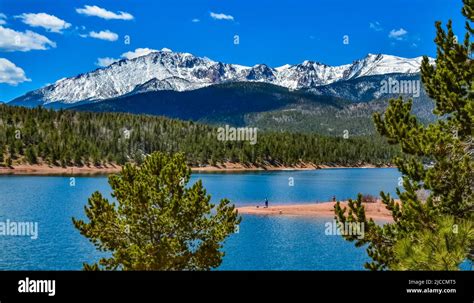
356	118
447	143
327	120
442	249
8	162
65	138
2	159
30	155
158	223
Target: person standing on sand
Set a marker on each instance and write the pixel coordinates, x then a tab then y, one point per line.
334	198
266	203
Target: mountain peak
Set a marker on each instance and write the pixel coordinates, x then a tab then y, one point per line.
168	70
312	63
370	55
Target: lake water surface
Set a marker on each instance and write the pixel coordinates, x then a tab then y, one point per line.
263	242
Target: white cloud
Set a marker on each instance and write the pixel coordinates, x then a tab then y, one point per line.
49	22
397	34
11	40
3	19
93	10
220	16
375	26
103	62
10	73
195	20
106	61
137	53
104	35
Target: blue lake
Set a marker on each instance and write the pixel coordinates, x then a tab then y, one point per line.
263	242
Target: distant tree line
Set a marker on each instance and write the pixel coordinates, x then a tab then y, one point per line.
69	138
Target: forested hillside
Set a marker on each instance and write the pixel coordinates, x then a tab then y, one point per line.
269	107
67	138
227	102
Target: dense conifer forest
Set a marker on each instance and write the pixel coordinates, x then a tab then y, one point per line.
69	138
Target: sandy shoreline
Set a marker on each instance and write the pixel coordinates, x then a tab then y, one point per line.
43	169
57	170
236	167
376	210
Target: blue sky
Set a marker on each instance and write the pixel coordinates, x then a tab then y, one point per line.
63	38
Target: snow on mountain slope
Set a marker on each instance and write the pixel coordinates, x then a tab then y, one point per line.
166	70
383	64
309	74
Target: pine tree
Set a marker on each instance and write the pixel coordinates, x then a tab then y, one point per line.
76	138
2	150
158	223
440	250
8	162
30	155
447	144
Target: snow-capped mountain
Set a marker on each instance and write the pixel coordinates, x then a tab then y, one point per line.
166	70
